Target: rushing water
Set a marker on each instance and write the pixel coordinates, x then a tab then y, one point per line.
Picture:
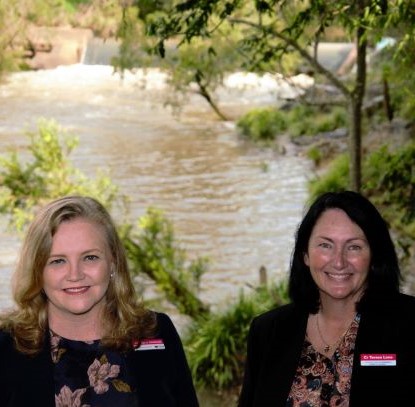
228	200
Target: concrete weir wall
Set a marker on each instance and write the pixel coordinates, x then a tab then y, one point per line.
54	46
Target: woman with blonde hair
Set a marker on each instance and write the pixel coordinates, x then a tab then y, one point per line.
78	336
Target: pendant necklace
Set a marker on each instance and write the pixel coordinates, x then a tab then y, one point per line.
327	346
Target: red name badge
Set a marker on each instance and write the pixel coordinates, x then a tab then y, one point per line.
149	344
378	359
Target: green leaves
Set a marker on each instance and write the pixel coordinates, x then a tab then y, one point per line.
46	174
216	346
152	249
391	175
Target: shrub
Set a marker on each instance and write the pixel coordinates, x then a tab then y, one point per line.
262	124
265	124
390	176
306	120
47	174
216	345
335	179
153	250
314	154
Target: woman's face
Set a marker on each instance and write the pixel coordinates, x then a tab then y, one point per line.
77	273
338	256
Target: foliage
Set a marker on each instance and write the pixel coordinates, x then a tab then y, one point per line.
398	70
262	124
12	33
147	7
265	124
46	175
311	120
334	179
133	45
390	176
152	249
17	16
197	67
315	155
216	346
270	30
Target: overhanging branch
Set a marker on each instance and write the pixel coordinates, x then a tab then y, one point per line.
302	51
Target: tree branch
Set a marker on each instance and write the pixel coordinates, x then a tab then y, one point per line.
302	51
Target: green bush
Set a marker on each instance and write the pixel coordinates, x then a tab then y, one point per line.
306	120
334	179
216	345
390	177
262	124
315	154
153	250
265	124
47	174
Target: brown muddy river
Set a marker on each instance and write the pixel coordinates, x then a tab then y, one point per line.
228	200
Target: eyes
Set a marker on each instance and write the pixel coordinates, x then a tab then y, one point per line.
56	261
353	247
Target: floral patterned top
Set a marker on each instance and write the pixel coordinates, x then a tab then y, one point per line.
86	375
321	381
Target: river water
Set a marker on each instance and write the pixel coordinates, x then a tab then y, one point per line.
233	202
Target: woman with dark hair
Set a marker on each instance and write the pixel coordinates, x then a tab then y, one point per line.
78	336
346	338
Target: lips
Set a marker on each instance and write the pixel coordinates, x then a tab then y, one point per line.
76	290
339	276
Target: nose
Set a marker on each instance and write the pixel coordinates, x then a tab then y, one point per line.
339	259
75	272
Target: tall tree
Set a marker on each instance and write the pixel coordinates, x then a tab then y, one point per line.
269	30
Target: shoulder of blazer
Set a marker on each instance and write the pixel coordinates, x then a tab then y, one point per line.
5	337
166	330
25	380
398	306
164	323
406	301
283	323
284	315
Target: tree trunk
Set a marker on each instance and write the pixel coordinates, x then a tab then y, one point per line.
355	146
356	102
206	95
387	100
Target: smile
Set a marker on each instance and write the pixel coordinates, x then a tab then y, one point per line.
339	277
76	290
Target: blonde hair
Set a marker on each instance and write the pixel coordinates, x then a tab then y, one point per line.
125	318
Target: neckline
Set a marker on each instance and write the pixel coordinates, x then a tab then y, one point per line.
331	355
60	337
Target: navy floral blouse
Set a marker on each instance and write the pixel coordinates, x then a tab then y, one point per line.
86	375
321	381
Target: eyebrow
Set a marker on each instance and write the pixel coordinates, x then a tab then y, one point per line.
83	253
347	240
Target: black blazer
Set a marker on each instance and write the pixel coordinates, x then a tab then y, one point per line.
163	376
274	347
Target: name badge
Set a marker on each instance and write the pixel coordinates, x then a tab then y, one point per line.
378	359
149	344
